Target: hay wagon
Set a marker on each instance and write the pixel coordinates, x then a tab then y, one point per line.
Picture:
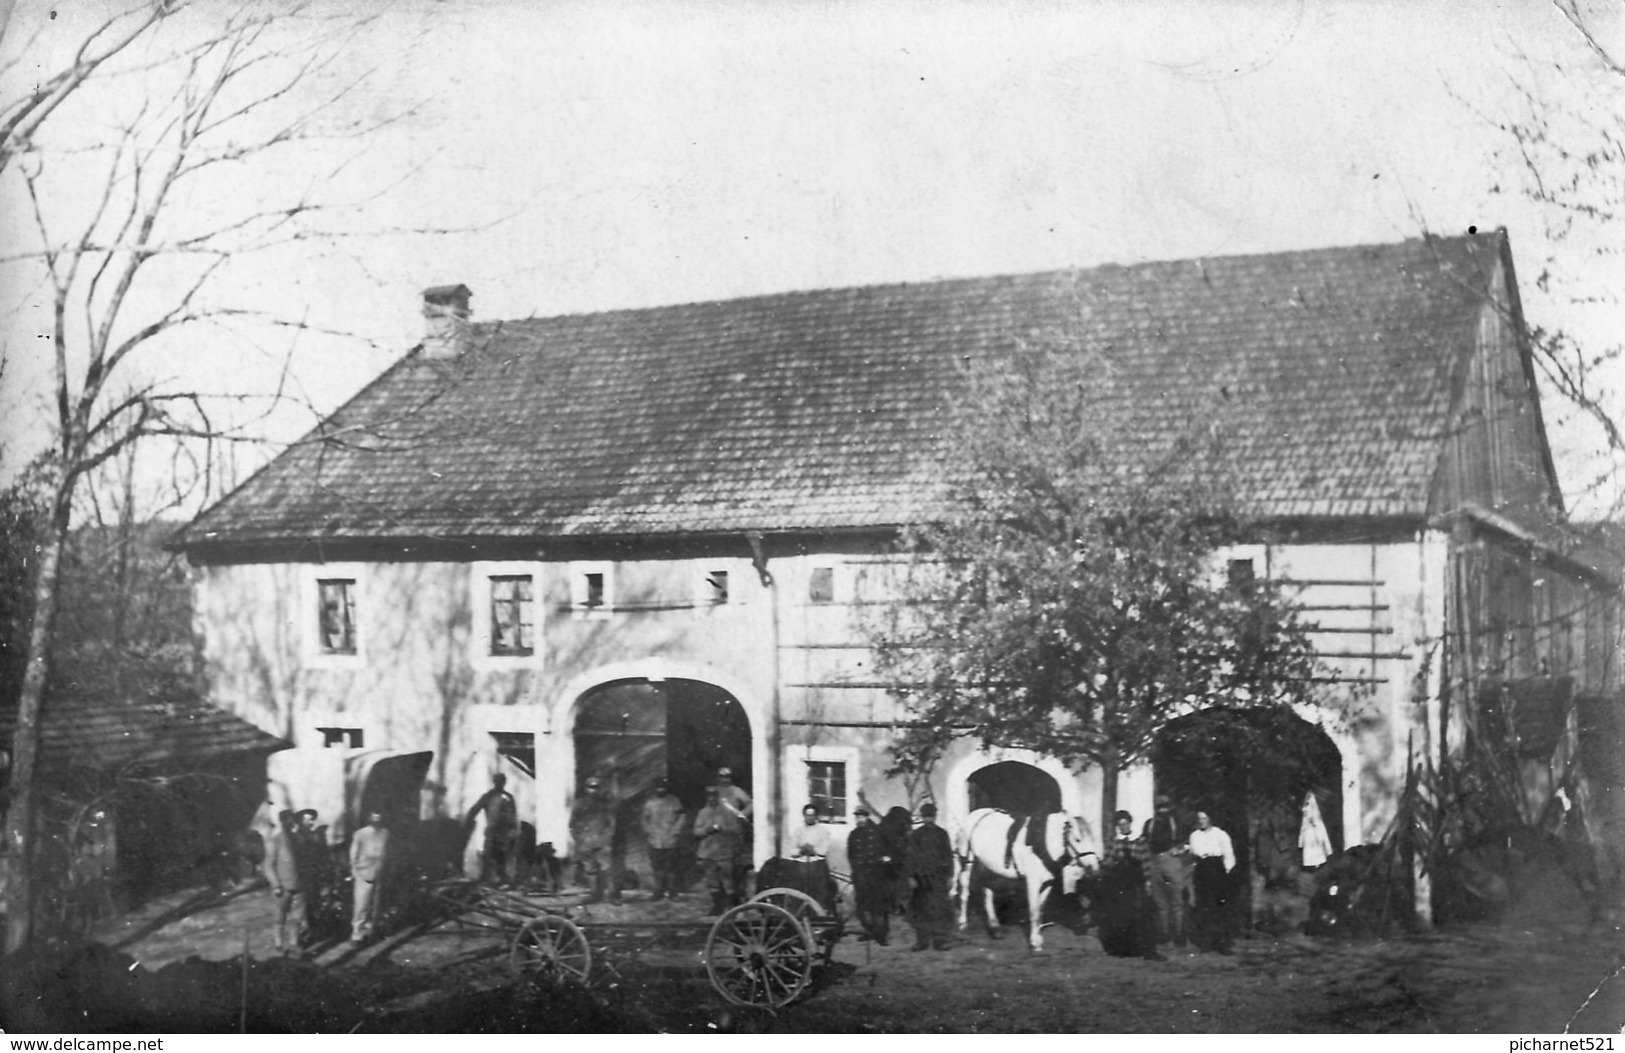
762	953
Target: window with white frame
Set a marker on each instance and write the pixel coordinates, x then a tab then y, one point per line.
592	589
334	615
826	777
503	601
336	598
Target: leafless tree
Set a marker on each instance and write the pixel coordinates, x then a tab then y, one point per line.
130	161
1565	148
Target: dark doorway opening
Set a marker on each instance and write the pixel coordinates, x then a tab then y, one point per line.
1252	771
633	733
1018	788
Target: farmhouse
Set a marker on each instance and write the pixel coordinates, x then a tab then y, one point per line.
640	543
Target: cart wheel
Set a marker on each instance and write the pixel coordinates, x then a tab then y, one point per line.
551	949
760	955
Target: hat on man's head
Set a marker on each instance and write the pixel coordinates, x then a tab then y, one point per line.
311	812
860	811
1163	799
725	773
928	809
594	781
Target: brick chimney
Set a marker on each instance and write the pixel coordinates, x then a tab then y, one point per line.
447	330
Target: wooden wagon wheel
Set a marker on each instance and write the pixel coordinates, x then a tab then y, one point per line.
797	902
759	955
551	949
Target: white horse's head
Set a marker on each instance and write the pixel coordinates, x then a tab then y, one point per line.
1080	849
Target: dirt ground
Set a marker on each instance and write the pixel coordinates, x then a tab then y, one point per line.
178	965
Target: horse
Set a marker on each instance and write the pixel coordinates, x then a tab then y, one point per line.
1031	849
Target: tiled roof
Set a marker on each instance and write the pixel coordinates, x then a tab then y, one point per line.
111	735
823	410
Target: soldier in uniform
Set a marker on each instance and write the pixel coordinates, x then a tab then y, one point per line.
871	875
720	828
594	825
663	822
501	843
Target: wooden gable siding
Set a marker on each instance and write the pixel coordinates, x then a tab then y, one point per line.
1496	455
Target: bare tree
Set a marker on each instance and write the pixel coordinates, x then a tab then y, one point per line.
1565	148
141	234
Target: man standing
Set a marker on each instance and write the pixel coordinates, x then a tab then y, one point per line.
732	795
1215	859
501	842
287	878
871	877
311	849
369	861
720	828
663	830
931	868
1170	871
1127	917
593	828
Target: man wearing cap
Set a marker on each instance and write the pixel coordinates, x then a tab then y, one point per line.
720	828
732	795
310	846
500	849
931	870
871	882
1170	870
662	819
593	823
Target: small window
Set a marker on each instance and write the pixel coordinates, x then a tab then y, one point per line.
716	586
519	748
821	586
592	589
512	615
337	615
826	789
340	738
1241	574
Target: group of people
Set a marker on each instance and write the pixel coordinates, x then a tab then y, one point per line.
305	879
1167	886
899	866
720	831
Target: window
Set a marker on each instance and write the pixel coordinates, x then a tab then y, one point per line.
513	620
336	611
826	789
592	589
821	585
716	587
519	748
1241	574
340	738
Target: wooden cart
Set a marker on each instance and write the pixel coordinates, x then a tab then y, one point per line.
762	953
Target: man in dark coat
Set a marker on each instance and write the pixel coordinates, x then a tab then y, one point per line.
594	824
871	876
931	872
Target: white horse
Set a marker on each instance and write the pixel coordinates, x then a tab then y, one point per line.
1010	846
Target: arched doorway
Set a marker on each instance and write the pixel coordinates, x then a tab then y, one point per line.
633	733
1016	787
1254	771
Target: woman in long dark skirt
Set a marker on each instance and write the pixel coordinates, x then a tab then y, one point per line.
1215	860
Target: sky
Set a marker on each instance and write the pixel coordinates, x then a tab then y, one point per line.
590	156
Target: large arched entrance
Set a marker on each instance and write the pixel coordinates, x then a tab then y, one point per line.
1019	788
633	733
1256	773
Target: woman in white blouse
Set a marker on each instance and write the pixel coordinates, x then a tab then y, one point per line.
1215	858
